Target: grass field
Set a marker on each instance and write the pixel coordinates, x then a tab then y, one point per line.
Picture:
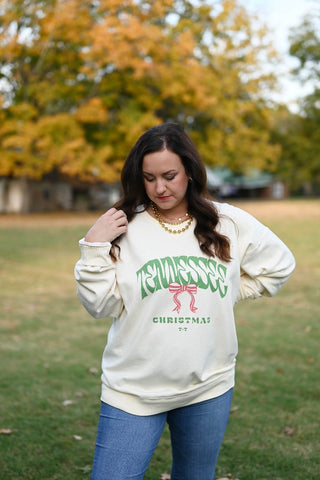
51	351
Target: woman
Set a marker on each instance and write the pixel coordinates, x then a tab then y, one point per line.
168	264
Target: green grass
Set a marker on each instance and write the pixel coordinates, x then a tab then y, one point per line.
51	350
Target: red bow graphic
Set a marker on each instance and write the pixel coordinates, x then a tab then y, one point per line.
176	288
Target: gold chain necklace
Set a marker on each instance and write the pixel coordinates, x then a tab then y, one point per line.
163	224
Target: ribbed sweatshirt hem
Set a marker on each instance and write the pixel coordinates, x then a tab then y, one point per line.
137	405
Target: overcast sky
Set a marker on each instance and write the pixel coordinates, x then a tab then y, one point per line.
281	16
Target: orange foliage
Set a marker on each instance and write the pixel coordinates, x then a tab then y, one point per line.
84	79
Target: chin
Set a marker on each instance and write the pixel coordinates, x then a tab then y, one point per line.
165	203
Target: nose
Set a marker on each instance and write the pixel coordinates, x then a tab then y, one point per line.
160	186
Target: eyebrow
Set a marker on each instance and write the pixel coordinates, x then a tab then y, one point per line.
164	173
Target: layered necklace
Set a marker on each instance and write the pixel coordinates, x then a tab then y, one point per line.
173	226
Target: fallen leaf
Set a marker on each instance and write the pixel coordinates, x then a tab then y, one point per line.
66	403
86	469
234	409
93	370
165	476
229	476
241	321
6	431
77	437
289	430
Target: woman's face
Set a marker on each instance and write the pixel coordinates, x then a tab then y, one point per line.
165	181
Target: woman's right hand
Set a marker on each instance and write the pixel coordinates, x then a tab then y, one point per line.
109	226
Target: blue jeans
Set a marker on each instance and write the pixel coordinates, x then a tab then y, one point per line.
125	442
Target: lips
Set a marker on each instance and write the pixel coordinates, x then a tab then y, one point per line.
163	198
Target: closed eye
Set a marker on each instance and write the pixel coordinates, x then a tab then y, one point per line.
166	176
148	179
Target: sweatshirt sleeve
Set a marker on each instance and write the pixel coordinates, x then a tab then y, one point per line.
265	261
95	275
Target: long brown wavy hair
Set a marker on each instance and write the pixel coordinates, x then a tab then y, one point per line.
173	137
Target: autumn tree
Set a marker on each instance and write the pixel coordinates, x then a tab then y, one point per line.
299	134
305	47
81	80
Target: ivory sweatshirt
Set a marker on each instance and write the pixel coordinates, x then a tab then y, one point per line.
173	339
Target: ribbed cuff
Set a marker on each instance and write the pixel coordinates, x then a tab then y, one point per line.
96	254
